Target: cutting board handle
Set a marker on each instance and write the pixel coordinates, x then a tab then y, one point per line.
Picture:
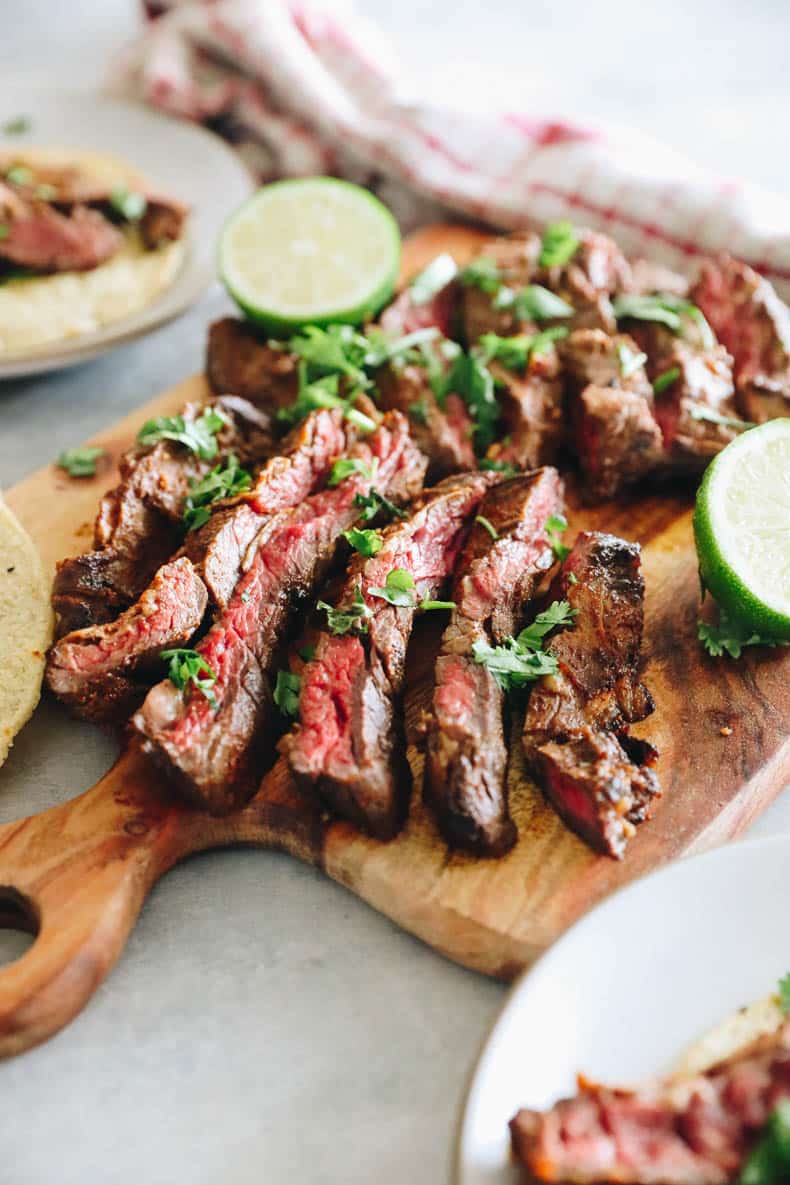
76	876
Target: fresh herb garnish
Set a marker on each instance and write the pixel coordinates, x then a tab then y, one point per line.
629	361
128	203
19	175
410	347
307	653
503	467
187	666
700	412
398	588
320	393
46	192
366	541
665	308
419	411
372	502
430	281
5	230
768	1163
245	596
470	378
559	244
80	462
522	660
489	526
198	435
730	637
343	621
784	994
347	466
481	273
427	605
224	481
533	303
665	379
17	126
336	350
516	352
286	693
555	525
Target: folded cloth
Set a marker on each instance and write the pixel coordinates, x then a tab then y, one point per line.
309	86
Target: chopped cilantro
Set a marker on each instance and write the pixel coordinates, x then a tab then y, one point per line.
784	994
664	380
128	203
343	621
516	352
700	412
768	1163
489	526
665	308
481	273
19	175
520	661
629	360
559	244
503	467
80	462
307	653
419	411
366	541
17	126
398	589
470	378
286	693
730	637
533	303
371	503
430	281
555	525
347	466
198	435
187	666
224	481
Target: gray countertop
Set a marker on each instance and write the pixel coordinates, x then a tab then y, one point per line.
262	1025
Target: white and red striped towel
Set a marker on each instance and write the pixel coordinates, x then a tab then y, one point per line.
308	86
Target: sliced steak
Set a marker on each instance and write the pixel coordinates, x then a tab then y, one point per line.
597	271
138	525
516	258
575	730
219	549
442	432
466	756
97	671
349	747
239	360
214	750
754	324
406	315
532	411
691	1130
44	239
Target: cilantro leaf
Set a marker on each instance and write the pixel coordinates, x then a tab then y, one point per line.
19	175
286	693
555	525
784	994
533	303
559	613
17	126
366	542
488	526
198	435
382	348
662	381
224	481
345	467
730	637
629	360
336	350
187	666
559	244
470	378
768	1163
398	589
481	273
503	467
80	462
520	661
428	604
430	281
700	412
371	503
343	621
419	411
307	653
516	352
128	203
665	308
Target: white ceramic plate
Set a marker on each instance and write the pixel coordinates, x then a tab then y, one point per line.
624	992
180	158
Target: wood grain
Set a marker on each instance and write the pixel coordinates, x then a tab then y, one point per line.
83	869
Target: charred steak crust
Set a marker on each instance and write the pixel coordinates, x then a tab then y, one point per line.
239	360
215	752
444	434
138	525
92	670
349	747
533	413
466	755
575	729
690	1130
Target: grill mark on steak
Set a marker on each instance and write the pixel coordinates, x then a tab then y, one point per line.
466	756
90	670
748	316
238	360
349	747
691	1130
575	729
211	751
444	434
532	411
138	526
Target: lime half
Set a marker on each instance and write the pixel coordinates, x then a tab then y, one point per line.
315	251
742	529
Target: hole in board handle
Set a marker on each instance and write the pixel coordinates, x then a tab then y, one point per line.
19	924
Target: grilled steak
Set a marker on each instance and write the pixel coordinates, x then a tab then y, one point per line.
92	670
238	360
138	526
616	437
516	258
597	271
405	315
349	747
444	433
532	411
648	278
218	548
754	325
575	730
44	239
466	757
209	747
691	1130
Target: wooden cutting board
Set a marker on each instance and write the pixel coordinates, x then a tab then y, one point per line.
82	870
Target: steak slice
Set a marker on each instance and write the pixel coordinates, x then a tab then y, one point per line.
349	747
406	315
516	258
466	757
685	1130
90	670
240	361
754	324
44	239
219	548
532	411
212	749
575	729
443	433
597	271
138	526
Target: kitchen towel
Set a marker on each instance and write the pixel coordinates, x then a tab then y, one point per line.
309	86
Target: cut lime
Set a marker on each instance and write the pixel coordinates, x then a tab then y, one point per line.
742	529
311	251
